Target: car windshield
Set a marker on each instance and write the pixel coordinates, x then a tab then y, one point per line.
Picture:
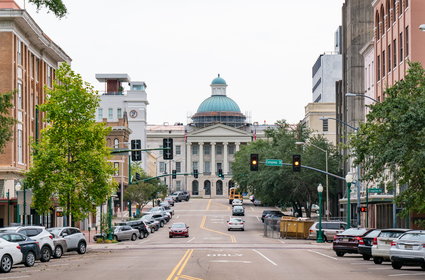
391	234
55	231
179	226
354	231
414	237
373	233
235	220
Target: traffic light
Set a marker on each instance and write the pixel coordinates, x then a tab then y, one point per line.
168	148
254	162
363	209
136	155
137	176
220	173
296	163
174	174
195	173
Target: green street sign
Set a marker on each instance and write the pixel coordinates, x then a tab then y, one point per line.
375	190
274	162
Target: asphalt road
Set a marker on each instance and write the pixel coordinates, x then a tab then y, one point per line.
211	252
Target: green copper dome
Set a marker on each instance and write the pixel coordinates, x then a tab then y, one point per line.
218	81
218	103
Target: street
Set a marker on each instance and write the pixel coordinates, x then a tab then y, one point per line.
212	252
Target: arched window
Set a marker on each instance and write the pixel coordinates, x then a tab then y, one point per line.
116	143
377	25
388	15
195	187
219	188
382	21
207	187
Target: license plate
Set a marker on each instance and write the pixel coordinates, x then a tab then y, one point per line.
346	239
409	247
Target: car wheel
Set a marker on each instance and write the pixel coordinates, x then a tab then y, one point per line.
366	257
6	264
423	266
58	252
29	259
116	238
170	236
396	265
243	229
46	254
141	235
377	260
161	224
82	248
339	254
152	230
134	237
146	234
228	229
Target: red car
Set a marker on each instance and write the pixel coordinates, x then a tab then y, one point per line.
179	229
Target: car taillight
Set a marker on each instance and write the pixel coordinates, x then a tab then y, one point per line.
311	231
360	240
375	241
335	237
18	247
393	243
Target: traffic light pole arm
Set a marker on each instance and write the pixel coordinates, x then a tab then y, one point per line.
164	175
136	150
318	170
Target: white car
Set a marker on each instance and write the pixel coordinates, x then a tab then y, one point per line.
39	234
235	223
408	249
10	253
75	239
382	244
237	202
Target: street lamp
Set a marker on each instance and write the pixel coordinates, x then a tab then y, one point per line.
349	180
422	27
320	232
349	94
327	177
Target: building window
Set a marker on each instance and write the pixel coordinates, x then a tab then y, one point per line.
36	68
207	149
389	58
395	53
400	42
219	149
19	95
195	187
116	143
178	166
219	166
393	13
378	68
219	188
231	149
20	149
100	113
119	113
178	150
230	167
406	40
178	185
400	7
19	50
383	63
162	167
377	24
382	21
325	125
110	113
195	165
207	167
388	15
49	76
116	168
195	149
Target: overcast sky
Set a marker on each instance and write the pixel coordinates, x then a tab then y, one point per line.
264	49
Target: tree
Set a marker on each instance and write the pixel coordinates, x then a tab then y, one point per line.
6	121
70	164
390	146
55	6
143	192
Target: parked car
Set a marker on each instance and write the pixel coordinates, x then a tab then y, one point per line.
257	202
186	195
141	227
238	211
235	223
265	212
60	246
37	233
168	209
170	200
382	244
177	196
237	202
179	229
29	248
365	245
348	241
162	218
75	239
329	229
153	224
276	216
409	250
10	253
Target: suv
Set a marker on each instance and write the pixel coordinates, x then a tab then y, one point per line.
178	196
329	229
75	239
141	226
152	223
274	212
238	211
186	195
39	234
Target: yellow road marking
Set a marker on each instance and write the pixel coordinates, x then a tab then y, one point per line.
189	277
209	205
185	262
202	226
177	266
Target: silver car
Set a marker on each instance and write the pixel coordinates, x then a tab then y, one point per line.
235	223
125	233
60	246
329	229
382	244
75	239
408	249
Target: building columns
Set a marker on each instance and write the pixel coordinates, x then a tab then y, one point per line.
189	158
213	165
225	159
201	158
237	146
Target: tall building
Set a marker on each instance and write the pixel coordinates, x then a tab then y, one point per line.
28	60
115	102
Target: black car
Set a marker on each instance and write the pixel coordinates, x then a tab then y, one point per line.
30	248
365	244
141	226
349	240
272	213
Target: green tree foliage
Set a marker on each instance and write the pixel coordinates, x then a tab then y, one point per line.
280	185
70	164
55	6
393	139
6	121
144	192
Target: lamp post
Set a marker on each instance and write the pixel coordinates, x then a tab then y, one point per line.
349	94
320	232
327	177
348	180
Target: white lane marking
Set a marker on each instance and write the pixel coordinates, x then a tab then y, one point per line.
281	241
380	268
323	255
141	242
252	208
177	217
59	264
272	262
15	277
258	218
191	240
406	274
229	261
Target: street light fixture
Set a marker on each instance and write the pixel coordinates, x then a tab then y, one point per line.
320	232
349	94
327	177
422	27
349	181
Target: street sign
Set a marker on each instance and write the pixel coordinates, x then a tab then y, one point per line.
274	162
375	190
